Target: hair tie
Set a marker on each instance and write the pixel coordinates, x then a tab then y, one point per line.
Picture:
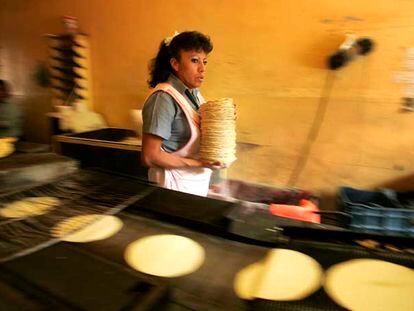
168	40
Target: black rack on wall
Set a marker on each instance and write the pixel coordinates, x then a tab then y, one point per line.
69	64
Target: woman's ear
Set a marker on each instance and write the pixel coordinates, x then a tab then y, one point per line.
174	64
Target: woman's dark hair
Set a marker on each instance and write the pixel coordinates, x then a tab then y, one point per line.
160	67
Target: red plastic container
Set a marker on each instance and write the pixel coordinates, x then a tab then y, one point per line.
306	211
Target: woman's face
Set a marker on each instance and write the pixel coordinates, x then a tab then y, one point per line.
190	68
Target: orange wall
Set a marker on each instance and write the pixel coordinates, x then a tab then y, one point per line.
298	124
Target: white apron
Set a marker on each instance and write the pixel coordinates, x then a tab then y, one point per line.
194	180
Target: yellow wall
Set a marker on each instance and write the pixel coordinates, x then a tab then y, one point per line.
298	124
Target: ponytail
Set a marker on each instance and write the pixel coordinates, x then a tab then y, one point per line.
160	67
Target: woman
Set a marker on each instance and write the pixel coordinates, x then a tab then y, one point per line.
10	114
171	123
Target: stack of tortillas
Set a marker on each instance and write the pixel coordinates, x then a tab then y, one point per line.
218	131
282	275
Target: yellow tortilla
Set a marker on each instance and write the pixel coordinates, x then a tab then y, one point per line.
6	146
165	255
87	228
6	149
8	139
245	280
283	275
32	206
370	284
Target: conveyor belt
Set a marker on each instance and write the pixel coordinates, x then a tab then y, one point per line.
54	270
64	277
209	288
84	192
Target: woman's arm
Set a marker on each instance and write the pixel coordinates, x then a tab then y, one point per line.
153	156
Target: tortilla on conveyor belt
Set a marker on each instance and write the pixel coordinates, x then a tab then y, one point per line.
27	207
283	275
244	283
87	228
165	255
371	284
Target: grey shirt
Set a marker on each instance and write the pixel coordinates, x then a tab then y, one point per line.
162	116
10	119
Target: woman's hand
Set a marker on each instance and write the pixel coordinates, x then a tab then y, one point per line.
190	162
153	156
214	165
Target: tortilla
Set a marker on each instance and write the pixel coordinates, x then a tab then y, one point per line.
87	228
8	139
7	146
283	275
6	149
165	255
245	280
371	284
31	206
